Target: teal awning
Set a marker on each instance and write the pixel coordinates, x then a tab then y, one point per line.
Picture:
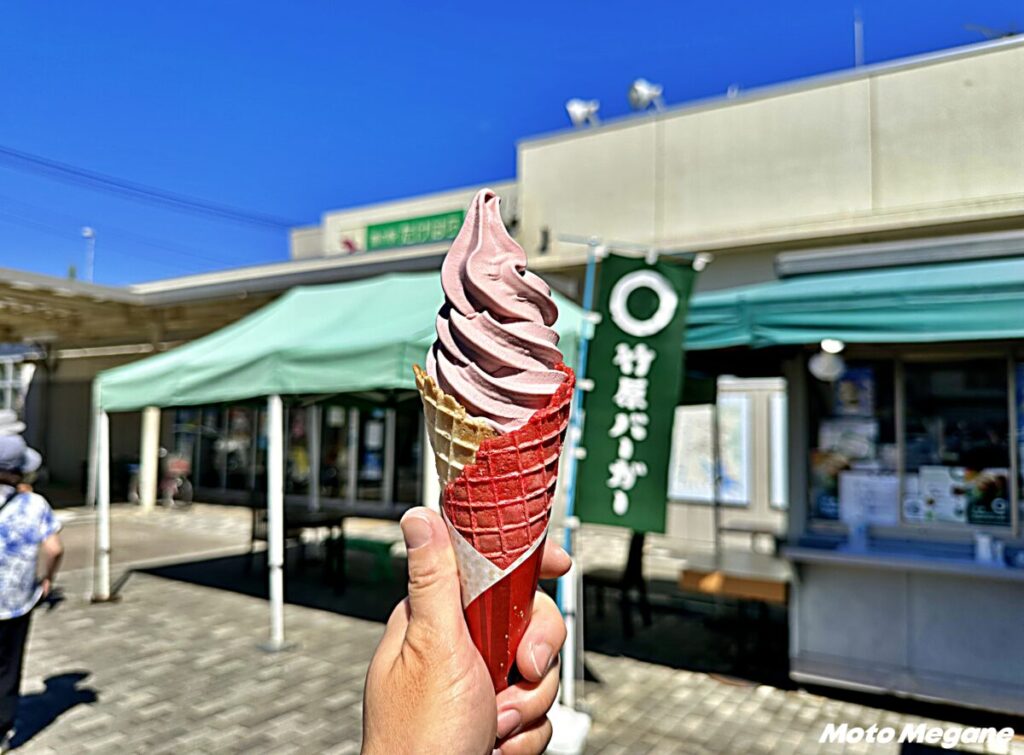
342	338
959	301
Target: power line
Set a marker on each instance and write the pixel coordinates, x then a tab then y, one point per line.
60	171
53	221
60	232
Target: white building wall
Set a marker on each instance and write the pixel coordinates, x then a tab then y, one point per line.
902	147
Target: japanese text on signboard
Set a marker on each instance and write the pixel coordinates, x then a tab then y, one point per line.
635	363
414	231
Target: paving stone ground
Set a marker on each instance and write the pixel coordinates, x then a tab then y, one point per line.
175	667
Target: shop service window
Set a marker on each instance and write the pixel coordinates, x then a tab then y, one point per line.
957	468
853	453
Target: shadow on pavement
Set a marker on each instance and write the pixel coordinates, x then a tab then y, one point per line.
738	642
38	710
366	594
743	641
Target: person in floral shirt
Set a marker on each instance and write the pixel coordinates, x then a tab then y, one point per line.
29	546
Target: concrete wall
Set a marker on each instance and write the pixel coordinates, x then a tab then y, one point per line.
939	636
58	419
901	148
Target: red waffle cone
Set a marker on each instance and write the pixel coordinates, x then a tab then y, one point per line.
500	503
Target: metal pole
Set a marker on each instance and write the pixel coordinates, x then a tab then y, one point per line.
387	492
90	252
313	436
353	453
716	478
858	39
570	604
568	585
275	519
576	418
101	574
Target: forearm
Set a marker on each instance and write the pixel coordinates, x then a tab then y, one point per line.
50	555
51	564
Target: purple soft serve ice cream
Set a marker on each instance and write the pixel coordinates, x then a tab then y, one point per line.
495	350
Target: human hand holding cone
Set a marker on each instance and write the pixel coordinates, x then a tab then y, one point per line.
496	398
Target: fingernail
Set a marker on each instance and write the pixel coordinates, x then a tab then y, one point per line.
541	656
508	722
496	751
416	530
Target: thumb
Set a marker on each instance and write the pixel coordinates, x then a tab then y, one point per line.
434	593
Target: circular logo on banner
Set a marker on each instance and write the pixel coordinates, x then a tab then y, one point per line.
668	300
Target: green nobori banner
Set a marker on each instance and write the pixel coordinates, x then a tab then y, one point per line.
635	363
413	231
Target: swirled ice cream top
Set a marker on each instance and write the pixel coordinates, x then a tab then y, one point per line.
495	350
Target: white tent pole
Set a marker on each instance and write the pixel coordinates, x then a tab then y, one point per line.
149	457
275	519
101	574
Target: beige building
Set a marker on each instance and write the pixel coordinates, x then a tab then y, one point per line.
916	148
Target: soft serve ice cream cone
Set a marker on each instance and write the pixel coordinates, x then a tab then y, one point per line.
496	398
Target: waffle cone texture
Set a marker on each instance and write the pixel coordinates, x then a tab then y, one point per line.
497	488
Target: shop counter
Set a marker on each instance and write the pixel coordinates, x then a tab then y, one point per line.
923	625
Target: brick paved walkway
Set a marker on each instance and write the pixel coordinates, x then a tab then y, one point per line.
175	667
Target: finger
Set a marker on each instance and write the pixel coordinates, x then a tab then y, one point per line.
524	704
532	740
542	640
555	562
434	593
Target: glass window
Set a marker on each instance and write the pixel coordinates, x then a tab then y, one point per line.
853	456
297	467
334	480
238	447
9	384
210	461
371	455
957	443
408	450
186	433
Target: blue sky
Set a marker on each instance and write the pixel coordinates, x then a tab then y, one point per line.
291	109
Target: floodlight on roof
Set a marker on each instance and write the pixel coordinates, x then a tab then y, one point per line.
643	94
582	112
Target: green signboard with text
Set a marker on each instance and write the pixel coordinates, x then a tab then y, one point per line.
635	363
426	229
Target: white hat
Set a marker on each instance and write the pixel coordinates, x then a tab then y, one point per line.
9	423
16	456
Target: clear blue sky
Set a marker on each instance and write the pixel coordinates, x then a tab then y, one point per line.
291	109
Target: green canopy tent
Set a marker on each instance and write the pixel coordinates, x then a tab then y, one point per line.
955	301
344	338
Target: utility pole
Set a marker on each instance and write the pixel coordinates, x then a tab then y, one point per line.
89	234
858	39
